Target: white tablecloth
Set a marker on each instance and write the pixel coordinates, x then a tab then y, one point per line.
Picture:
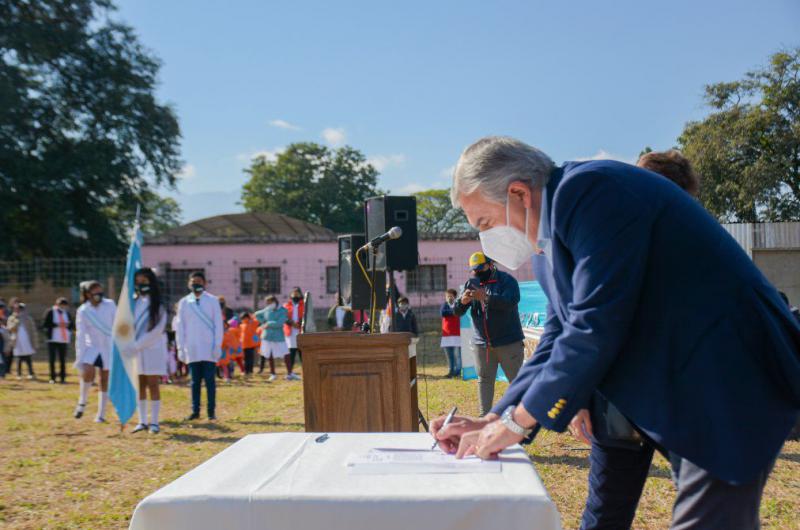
288	481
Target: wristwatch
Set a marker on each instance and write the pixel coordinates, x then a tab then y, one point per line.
507	419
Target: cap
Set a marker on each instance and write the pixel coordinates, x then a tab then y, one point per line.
478	260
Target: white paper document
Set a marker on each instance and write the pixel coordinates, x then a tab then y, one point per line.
386	461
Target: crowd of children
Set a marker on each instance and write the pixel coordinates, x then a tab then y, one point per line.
205	341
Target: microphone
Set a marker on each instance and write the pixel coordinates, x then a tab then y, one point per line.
394	233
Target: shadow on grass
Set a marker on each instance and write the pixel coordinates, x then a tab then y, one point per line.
36	385
582	462
71	434
194	438
216	427
791	457
271	423
437	377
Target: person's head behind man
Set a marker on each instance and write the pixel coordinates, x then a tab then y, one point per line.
402	304
62	303
450	296
197	282
673	165
296	295
481	266
498	183
270	302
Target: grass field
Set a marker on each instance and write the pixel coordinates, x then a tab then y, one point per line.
58	472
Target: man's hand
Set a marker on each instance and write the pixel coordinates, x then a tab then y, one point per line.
466	298
487	442
479	295
581	427
449	437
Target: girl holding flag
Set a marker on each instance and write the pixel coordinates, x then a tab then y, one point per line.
149	345
93	323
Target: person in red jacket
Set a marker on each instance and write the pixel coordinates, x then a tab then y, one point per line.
295	309
451	333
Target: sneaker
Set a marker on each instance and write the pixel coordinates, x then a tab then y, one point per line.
31	376
154	428
19	378
272	378
293	377
79	410
52	381
140	427
212	417
192	416
99	419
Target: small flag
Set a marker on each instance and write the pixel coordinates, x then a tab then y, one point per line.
123	387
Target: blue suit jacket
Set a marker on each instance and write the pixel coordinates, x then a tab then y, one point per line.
656	306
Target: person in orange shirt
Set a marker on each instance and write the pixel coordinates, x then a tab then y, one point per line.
251	339
231	350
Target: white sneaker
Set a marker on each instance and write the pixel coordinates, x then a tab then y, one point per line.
140	427
154	428
272	378
30	377
99	419
293	377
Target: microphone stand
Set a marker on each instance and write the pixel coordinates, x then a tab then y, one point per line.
393	300
372	298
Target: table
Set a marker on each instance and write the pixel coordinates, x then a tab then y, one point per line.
282	481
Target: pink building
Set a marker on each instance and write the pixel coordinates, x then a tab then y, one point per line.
247	256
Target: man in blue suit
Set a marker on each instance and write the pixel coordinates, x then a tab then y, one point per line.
653	305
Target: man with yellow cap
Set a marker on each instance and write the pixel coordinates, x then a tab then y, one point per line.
492	296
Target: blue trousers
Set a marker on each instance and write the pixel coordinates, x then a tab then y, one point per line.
203	371
453	359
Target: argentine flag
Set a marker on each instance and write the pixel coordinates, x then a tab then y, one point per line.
124	377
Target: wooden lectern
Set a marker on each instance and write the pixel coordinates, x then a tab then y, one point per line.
355	382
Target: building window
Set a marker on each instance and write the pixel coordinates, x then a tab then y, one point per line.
262	280
427	278
332	279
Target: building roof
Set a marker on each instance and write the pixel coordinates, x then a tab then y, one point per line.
244	228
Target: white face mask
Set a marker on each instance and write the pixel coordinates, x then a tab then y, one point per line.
507	245
273	306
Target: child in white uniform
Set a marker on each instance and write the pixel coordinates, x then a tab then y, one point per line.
94	321
150	346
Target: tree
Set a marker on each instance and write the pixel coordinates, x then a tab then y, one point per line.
81	132
158	214
313	183
747	151
436	215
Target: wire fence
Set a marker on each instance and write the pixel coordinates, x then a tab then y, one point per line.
39	282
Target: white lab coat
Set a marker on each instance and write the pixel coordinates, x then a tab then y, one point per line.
150	345
93	325
198	328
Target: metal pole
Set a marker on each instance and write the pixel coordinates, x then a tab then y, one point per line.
393	299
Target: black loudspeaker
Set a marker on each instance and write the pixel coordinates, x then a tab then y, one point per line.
381	214
352	284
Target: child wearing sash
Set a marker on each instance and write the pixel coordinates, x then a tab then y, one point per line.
94	321
199	333
150	347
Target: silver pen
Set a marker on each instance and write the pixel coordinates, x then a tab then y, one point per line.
447	421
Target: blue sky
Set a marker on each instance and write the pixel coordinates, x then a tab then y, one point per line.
412	83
